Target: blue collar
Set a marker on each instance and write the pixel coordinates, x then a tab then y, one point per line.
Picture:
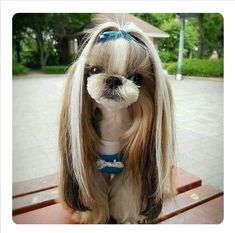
110	164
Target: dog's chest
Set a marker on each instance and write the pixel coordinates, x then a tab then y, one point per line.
112	126
114	123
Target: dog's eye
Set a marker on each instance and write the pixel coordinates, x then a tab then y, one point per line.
137	78
95	70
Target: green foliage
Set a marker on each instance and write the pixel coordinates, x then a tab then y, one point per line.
42	39
212	33
30	55
156	19
37	36
171	44
19	68
191	37
55	69
69	23
203	34
198	67
170	23
167	56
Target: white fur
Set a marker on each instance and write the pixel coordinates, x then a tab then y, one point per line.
129	92
119	56
95	86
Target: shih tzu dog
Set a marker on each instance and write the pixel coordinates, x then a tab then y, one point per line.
116	134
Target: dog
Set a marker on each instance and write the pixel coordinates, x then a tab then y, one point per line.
116	136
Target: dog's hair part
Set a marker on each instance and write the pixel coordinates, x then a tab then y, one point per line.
148	144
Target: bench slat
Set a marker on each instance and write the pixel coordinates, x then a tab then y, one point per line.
53	214
212	212
35	185
56	214
185	181
34	201
188	200
38	199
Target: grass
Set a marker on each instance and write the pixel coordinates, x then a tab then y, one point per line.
55	69
198	67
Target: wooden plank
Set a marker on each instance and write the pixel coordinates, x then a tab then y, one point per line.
188	200
34	201
212	212
55	214
185	181
35	185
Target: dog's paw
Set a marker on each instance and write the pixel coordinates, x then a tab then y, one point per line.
143	220
84	217
90	217
76	217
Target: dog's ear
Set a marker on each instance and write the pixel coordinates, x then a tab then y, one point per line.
70	193
151	202
153	208
164	132
69	188
165	125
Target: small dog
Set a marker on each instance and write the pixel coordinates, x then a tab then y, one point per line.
116	134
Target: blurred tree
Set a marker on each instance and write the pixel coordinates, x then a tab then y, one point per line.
203	34
40	28
170	23
45	37
51	31
67	26
19	26
156	19
211	28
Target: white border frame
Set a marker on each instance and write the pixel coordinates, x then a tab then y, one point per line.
9	8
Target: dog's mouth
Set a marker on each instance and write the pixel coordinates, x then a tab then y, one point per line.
112	94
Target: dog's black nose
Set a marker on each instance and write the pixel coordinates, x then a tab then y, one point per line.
113	82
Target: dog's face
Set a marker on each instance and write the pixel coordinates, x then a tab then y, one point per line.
115	71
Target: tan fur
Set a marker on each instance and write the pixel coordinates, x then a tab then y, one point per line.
125	199
152	120
134	139
100	210
63	131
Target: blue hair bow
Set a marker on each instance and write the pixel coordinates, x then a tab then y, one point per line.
113	35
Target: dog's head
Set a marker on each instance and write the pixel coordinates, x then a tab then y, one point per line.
116	69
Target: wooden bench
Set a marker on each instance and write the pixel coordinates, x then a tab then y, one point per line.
34	202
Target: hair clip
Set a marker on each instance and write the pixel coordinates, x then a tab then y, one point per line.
113	35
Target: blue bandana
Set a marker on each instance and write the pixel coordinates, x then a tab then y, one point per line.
113	35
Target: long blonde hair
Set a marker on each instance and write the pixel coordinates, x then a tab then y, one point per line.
152	130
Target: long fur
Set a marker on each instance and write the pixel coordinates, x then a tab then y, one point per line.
148	144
